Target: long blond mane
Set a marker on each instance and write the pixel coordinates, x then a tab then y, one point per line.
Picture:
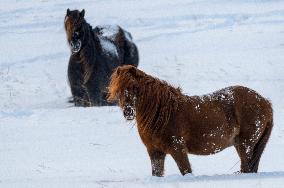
156	100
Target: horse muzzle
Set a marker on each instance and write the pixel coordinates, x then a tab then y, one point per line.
75	46
129	113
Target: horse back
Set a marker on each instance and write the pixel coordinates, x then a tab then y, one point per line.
117	43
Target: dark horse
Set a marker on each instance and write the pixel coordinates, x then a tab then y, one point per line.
95	53
170	122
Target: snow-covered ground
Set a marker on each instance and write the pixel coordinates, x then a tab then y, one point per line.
200	45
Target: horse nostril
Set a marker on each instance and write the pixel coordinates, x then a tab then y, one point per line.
127	112
75	46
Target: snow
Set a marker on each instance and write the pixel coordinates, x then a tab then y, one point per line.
201	46
108	47
109	31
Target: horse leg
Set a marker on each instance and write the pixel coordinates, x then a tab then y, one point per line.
181	159
250	150
95	93
259	147
245	153
157	162
80	97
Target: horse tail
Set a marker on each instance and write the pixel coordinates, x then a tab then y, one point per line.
127	47
131	55
260	145
128	35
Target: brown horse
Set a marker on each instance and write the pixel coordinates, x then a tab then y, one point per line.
170	122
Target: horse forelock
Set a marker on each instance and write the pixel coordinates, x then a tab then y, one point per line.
71	24
119	84
69	28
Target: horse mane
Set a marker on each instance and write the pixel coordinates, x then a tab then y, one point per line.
156	100
90	45
89	51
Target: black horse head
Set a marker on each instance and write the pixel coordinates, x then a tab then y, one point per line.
74	26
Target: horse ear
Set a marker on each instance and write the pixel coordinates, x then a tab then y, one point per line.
118	70
68	12
82	13
133	70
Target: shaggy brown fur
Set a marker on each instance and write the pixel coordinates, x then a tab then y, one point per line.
172	123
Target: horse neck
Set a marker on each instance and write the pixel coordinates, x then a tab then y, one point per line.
90	44
154	113
87	34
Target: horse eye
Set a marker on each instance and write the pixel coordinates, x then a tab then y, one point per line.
76	34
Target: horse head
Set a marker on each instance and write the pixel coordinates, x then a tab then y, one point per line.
73	23
124	89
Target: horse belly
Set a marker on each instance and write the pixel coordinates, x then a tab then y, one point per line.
212	139
207	147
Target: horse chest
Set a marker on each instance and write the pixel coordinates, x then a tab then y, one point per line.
210	138
75	69
153	140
